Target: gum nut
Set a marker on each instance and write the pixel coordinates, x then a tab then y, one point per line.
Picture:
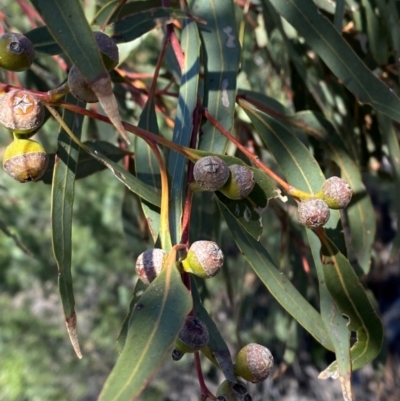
149	264
336	193
16	52
210	173
313	213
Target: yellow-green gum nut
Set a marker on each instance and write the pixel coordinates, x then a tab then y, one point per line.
204	259
21	111
210	173
192	337
25	160
79	87
149	264
240	182
16	52
254	363
108	48
336	193
313	213
228	391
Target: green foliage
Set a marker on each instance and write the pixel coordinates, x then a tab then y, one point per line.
287	88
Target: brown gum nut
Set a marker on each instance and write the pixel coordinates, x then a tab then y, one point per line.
313	213
211	173
149	264
337	193
21	112
79	86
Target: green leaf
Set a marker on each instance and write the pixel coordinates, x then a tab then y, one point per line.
377	38
276	282
221	49
62	198
324	39
187	102
216	344
86	164
352	300
335	324
146	166
140	287
153	326
68	25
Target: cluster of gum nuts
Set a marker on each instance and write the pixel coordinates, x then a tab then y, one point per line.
22	112
204	259
335	193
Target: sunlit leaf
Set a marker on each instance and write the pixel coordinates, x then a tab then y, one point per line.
153	326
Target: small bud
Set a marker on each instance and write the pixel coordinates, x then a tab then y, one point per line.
192	337
228	391
204	259
149	264
254	363
240	183
25	160
336	193
313	213
210	173
21	112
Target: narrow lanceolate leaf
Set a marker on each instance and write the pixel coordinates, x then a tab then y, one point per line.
153	326
187	101
67	24
360	212
147	168
221	53
216	350
352	300
335	324
62	197
327	42
277	284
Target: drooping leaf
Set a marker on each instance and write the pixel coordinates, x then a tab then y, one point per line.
62	198
153	326
277	284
